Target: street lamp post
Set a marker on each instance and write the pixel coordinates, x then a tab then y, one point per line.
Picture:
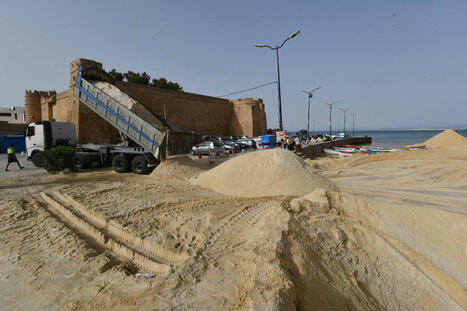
276	48
344	110
310	95
353	123
330	115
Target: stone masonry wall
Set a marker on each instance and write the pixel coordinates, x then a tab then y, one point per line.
190	112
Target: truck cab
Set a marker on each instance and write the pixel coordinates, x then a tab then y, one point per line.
42	135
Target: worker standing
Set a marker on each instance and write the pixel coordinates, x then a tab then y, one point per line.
298	145
12	157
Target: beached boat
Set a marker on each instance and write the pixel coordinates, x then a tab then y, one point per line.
373	150
331	152
336	153
352	146
346	149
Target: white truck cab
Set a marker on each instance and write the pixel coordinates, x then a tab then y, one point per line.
42	135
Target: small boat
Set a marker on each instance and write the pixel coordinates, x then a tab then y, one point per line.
346	149
336	153
352	146
377	149
331	152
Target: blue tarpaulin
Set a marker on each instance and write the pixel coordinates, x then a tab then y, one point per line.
17	139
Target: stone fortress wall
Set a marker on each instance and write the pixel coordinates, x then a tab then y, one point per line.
190	112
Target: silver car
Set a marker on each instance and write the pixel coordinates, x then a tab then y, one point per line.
208	147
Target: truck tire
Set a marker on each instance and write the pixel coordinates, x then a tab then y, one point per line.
121	164
81	163
37	160
139	165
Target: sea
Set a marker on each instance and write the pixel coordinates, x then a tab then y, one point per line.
400	138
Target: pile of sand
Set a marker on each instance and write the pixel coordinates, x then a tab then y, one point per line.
178	168
263	173
446	139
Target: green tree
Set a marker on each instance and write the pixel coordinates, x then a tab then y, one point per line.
138	78
117	76
164	84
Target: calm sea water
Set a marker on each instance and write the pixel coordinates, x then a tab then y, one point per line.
400	138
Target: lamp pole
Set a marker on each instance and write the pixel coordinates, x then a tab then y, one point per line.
330	115
310	95
353	123
344	110
276	48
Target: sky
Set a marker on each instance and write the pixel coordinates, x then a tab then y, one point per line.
396	64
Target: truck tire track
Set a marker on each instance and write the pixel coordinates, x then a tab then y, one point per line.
248	215
119	234
98	238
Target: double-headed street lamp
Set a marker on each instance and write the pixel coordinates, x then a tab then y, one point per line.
310	95
276	48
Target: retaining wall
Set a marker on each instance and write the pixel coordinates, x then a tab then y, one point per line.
312	151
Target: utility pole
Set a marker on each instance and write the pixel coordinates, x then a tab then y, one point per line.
276	48
330	115
344	110
310	95
353	123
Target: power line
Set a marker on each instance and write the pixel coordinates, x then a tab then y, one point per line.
253	88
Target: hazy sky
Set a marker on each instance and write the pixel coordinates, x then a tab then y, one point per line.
395	63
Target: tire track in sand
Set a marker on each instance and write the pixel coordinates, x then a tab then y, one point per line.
115	231
95	236
248	215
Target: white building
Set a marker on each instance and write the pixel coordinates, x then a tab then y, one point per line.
12	114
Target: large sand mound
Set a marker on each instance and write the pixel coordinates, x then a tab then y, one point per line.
446	139
177	168
263	173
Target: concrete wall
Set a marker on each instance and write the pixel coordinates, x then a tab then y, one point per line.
13	114
315	150
11	128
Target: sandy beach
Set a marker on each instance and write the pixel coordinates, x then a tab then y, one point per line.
266	230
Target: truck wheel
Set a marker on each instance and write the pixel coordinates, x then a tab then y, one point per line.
139	165
37	160
121	164
81	163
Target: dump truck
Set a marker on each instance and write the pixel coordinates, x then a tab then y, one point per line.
151	138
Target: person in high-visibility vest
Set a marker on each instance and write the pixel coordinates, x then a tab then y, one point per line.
12	157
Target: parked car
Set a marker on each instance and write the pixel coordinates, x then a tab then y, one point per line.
208	147
245	143
229	145
197	139
258	140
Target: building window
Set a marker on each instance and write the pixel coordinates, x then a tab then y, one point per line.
16	116
5	114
